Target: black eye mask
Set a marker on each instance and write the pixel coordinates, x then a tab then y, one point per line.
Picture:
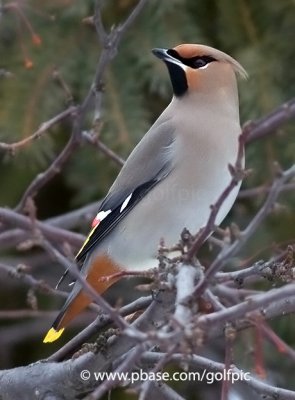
193	62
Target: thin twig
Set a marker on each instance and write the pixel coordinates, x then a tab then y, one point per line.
145	387
126	366
56	235
257	302
20	314
261	190
43	128
262	388
54	168
29	280
271	122
95	141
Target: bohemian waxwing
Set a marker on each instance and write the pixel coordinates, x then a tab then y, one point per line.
173	175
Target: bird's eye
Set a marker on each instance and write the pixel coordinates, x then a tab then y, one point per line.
199	62
195	62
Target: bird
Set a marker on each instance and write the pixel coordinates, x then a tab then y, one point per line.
170	179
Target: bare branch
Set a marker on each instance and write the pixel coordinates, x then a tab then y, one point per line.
185	281
51	171
29	280
271	122
262	388
126	366
20	314
132	17
54	234
261	190
44	127
258	302
95	141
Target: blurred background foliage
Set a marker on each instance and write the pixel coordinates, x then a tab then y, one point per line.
39	38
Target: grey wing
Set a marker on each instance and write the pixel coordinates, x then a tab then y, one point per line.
150	159
148	164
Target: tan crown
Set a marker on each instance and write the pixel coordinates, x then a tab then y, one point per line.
193	50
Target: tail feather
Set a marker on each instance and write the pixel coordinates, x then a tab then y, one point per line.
66	315
78	300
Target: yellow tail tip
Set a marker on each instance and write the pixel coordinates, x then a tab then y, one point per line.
52	335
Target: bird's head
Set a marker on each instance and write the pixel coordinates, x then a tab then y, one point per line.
199	68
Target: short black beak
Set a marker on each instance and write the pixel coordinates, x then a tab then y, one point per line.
161	54
176	70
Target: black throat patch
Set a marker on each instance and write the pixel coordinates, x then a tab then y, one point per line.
178	79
